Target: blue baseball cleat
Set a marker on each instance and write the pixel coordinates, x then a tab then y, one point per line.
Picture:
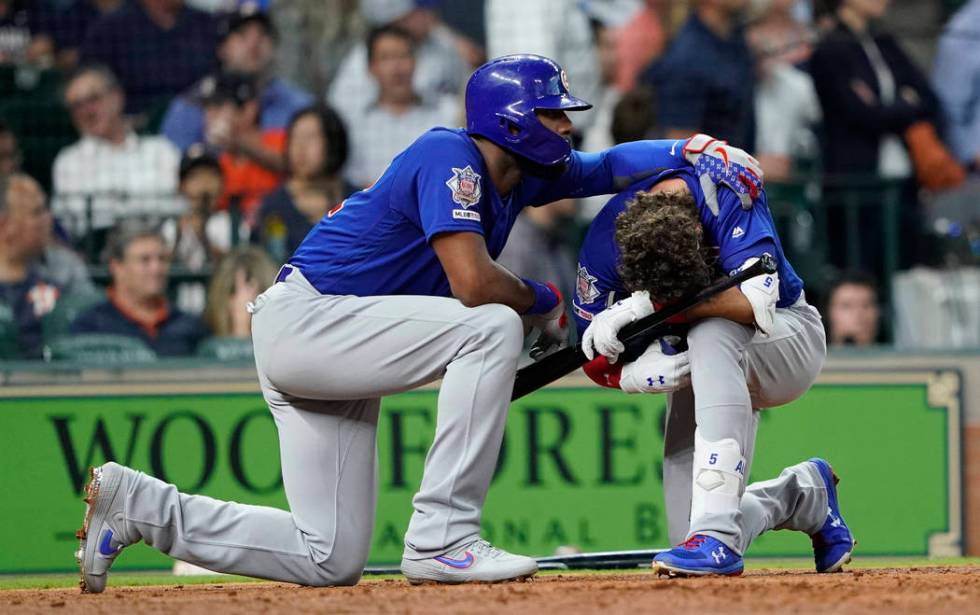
833	544
701	555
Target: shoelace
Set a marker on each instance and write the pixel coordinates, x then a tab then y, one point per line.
693	543
482	547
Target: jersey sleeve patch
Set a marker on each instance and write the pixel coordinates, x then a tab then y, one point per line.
585	287
465	187
465	214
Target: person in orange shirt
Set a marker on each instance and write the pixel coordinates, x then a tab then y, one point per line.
251	158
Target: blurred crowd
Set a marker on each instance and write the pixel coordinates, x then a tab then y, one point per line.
159	159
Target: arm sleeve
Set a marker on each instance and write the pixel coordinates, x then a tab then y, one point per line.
832	80
608	171
908	73
740	234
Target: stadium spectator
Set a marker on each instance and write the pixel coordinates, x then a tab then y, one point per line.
233	134
321	34
786	104
870	91
439	70
110	168
316	150
16	23
640	36
956	78
157	48
598	136
853	315
873	97
382	127
247	47
136	304
61	28
10	156
704	82
34	270
200	236
552	28
238	280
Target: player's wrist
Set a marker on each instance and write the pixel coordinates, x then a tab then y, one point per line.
546	297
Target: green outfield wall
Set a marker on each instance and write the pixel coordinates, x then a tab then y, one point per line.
580	465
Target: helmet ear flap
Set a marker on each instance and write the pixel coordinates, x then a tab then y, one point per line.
511	128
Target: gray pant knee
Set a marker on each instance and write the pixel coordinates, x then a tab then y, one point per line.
498	324
335	574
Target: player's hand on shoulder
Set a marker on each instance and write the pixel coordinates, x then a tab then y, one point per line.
762	292
715	162
552	327
601	336
657	370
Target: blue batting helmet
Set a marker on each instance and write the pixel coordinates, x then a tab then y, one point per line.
501	98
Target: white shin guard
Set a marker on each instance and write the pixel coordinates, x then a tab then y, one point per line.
719	477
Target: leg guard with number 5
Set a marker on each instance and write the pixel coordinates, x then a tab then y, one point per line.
719	480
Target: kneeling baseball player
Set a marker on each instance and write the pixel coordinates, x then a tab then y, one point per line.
757	346
394	288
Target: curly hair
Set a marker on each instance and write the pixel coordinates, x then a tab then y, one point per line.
660	241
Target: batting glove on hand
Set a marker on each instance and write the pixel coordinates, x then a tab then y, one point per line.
762	291
601	336
553	327
715	162
655	371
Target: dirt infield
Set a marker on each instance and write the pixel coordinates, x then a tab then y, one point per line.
915	590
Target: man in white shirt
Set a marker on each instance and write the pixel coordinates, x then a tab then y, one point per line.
440	69
111	172
382	127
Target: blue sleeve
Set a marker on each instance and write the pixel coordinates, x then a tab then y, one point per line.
449	187
740	234
608	171
183	124
597	282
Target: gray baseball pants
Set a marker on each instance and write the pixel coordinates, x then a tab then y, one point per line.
734	373
324	362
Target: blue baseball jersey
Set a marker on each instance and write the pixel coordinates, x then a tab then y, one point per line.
738	234
378	241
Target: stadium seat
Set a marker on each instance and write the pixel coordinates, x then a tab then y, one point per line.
99	349
226	349
55	323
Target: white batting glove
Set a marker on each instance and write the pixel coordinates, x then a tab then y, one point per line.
601	335
656	372
715	162
762	291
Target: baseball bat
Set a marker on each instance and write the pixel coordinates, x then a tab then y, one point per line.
565	361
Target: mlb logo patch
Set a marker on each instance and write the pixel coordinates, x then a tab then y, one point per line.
585	286
465	186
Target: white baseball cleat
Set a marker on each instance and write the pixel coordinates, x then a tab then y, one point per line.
102	536
476	562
